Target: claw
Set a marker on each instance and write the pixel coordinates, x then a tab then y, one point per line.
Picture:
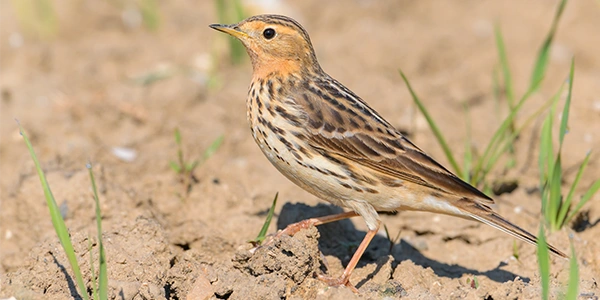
337	281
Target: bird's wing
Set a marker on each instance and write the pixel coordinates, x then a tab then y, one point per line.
340	124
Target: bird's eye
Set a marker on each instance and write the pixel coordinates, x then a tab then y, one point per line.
269	33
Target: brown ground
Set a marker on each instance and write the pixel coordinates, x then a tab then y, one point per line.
76	96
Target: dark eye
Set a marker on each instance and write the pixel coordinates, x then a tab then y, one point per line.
269	33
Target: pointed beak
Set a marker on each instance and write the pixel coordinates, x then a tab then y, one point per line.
232	30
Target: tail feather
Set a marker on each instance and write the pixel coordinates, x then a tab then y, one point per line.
486	215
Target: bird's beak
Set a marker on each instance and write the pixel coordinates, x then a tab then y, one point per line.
232	30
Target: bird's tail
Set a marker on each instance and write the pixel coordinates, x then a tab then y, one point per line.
486	215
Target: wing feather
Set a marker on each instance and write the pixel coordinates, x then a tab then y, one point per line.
374	144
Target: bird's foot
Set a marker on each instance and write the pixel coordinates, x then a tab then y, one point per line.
290	230
295	227
337	281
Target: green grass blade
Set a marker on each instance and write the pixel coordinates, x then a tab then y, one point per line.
175	167
545	152
546	147
434	128
177	136
92	270
263	231
102	273
555	197
57	220
573	287
237	50
221	11
468	157
37	16
546	159
586	197
508	85
150	13
567	201
239	10
508	141
515	250
496	138
213	147
496	92
565	116
543	55
543	262
550	158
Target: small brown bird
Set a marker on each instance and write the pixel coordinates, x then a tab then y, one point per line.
327	140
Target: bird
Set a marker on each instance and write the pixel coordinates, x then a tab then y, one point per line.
330	142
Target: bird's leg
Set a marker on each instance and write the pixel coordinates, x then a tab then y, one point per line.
345	278
295	227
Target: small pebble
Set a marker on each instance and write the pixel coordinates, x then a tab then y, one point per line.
124	154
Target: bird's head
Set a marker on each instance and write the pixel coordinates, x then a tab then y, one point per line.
275	44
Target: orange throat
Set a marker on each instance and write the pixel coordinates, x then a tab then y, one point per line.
266	68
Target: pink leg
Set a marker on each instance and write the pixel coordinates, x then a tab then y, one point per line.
344	279
295	227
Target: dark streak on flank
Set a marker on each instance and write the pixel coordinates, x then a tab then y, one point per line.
286	143
271	127
345	185
322	171
357	189
334	160
299	135
372	191
270	110
288	117
267	144
298	156
305	152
